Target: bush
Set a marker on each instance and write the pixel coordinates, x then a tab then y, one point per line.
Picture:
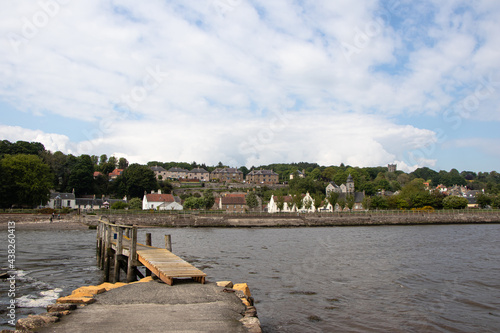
46	210
135	203
119	205
66	210
454	202
428	209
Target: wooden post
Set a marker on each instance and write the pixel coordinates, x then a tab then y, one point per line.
98	245
168	243
132	255
107	253
118	252
103	244
148	242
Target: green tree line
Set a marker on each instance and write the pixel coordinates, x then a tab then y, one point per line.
28	172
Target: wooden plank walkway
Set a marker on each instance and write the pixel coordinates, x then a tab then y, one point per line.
166	265
161	262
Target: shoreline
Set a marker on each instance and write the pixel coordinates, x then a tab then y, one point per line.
83	222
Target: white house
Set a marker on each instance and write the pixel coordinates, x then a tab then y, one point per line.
289	206
60	200
160	201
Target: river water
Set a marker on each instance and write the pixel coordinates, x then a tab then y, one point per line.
439	278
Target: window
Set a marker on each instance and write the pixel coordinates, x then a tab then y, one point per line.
69	203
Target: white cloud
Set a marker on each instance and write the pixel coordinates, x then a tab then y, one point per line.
51	141
224	68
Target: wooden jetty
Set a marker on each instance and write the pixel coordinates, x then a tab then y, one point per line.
117	247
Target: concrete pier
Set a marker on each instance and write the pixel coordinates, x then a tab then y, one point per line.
157	307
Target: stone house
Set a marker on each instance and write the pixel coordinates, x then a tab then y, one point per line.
227	175
233	203
200	174
358	202
262	177
160	172
177	173
344	191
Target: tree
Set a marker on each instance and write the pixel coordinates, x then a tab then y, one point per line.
20	147
297	201
113	161
137	179
122	163
209	199
81	177
119	205
454	202
26	181
318	200
135	203
280	202
350	201
483	200
165	186
194	203
332	199
103	159
342	203
251	200
379	202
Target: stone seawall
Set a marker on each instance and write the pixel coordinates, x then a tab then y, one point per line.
304	220
312	220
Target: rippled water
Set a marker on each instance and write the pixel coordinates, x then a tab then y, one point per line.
345	279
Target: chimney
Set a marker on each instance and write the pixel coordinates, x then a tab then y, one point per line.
159	191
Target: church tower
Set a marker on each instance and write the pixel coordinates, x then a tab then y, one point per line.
350	184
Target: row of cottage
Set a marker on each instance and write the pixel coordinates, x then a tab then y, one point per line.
220	174
231	202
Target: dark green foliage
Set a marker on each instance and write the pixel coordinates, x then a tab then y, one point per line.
251	200
20	147
483	200
81	177
208	195
195	203
454	202
135	203
135	180
119	205
26	181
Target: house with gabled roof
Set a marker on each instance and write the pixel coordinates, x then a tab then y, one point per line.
115	173
307	204
160	172
262	177
227	175
160	201
177	173
200	174
60	200
233	202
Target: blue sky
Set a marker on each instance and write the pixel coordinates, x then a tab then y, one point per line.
363	82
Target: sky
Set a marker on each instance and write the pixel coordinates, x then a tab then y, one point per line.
249	83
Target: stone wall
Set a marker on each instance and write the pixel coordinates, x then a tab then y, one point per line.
303	220
292	220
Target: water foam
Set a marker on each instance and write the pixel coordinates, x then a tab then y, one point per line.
43	299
